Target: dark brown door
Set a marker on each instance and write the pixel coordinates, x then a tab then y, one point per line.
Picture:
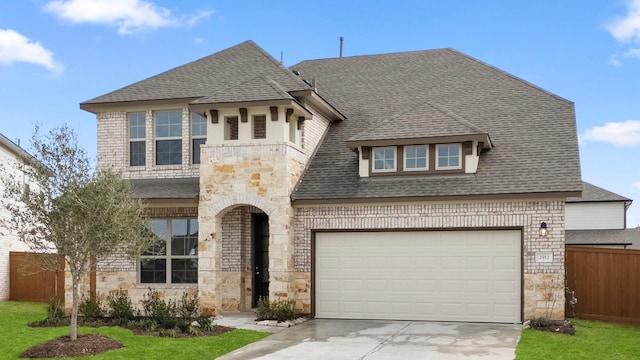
260	225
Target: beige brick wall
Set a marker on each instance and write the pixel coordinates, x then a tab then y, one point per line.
519	214
113	147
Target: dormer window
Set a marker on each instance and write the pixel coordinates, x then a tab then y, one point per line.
384	159
416	158
448	156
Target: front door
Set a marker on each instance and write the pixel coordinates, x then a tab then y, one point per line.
260	229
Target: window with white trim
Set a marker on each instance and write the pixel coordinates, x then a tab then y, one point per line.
384	159
168	137
173	259
198	136
137	144
416	157
449	156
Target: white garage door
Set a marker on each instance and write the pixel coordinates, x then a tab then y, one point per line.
419	275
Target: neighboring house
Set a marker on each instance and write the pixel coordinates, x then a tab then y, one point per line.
410	185
599	218
11	163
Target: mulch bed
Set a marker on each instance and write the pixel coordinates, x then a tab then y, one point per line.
565	327
85	345
92	344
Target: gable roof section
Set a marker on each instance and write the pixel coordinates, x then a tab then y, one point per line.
424	121
592	193
533	131
188	188
256	89
15	149
625	237
232	75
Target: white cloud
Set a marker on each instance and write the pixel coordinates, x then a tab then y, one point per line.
15	47
129	16
636	185
633	53
200	15
615	61
627	28
625	133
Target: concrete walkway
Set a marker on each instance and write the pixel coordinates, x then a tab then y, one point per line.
380	339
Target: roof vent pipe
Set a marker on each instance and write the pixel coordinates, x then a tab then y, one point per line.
341	41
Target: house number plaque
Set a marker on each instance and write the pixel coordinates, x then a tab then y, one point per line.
544	257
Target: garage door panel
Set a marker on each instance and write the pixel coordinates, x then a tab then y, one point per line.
438	275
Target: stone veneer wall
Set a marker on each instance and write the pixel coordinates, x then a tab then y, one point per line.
539	279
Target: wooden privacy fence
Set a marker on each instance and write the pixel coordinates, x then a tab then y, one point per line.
28	281
606	283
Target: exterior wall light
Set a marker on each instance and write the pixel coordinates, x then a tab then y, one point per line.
543	229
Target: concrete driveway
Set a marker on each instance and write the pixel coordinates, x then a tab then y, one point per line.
382	339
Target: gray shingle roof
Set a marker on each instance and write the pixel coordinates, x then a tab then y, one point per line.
604	237
230	70
188	188
411	124
592	193
533	131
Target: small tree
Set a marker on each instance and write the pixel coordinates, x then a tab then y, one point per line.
67	207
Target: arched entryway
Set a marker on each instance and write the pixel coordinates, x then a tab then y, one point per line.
245	257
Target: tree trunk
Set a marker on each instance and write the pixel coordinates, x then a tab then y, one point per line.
74	307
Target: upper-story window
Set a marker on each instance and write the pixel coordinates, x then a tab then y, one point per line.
384	159
448	156
416	158
136	139
259	126
198	136
168	137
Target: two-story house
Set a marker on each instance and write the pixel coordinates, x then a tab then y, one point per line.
417	185
11	161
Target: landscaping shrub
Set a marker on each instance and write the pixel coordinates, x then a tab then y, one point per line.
120	308
540	322
55	310
90	308
164	313
280	310
205	323
188	306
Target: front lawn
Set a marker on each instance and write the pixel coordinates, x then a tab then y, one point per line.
16	337
593	340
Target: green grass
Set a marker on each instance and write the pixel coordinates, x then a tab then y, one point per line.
16	337
593	340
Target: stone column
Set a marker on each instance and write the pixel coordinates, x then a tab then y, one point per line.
209	262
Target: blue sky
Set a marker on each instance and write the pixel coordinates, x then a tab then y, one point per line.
56	54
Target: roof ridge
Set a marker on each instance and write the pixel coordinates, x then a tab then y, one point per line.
512	76
372	55
276	62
